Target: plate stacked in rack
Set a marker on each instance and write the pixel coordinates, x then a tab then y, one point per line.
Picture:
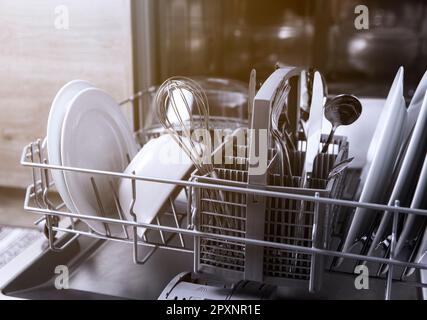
395	174
86	129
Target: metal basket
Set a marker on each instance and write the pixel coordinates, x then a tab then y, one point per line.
228	259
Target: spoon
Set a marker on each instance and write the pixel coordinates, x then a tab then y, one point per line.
341	110
251	95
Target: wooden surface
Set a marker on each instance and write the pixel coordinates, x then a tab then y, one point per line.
12	209
37	59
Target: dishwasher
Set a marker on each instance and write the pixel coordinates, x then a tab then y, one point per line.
234	234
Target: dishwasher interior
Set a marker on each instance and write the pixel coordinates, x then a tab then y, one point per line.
165	264
103	270
209	241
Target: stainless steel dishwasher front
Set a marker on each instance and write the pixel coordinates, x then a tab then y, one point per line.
101	269
98	269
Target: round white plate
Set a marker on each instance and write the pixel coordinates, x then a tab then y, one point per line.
159	158
410	167
414	222
95	135
381	158
54	126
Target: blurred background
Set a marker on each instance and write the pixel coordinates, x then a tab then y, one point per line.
230	37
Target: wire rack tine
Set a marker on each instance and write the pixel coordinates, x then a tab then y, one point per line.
162	236
43	192
118	207
36	182
52	221
100	205
189	196
392	248
172	204
135	228
314	257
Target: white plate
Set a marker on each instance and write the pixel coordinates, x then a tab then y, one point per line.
413	222
54	126
415	105
381	158
159	158
423	276
411	164
422	252
95	135
420	257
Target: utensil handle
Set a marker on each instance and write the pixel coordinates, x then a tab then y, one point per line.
328	142
251	95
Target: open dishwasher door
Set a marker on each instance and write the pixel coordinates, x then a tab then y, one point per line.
98	269
95	269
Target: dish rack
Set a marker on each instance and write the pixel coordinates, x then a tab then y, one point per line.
285	259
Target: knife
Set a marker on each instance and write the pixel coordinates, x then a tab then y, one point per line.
313	131
314	127
251	95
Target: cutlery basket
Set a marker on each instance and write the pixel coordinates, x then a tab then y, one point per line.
285	221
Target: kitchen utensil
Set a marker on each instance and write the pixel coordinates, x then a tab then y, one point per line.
286	119
159	158
227	98
339	168
360	131
277	134
381	159
341	110
304	95
251	94
95	135
57	113
313	127
177	100
313	131
261	119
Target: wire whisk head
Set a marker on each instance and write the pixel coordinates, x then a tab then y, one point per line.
183	110
181	103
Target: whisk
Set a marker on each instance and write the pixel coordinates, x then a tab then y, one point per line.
182	107
181	103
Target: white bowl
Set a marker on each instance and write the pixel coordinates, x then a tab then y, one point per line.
159	158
